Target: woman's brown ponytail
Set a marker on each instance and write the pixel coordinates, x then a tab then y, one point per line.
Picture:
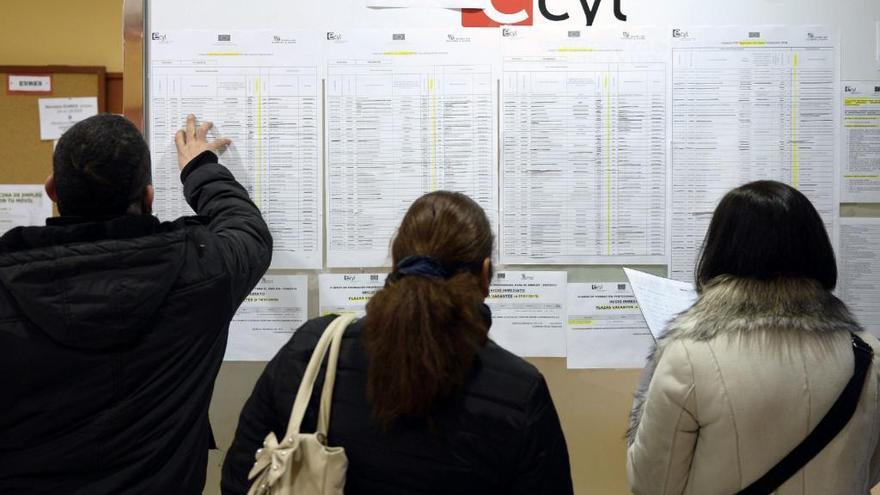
423	332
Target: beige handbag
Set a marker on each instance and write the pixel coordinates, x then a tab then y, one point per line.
303	464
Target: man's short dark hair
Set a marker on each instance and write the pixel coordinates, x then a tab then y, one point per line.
101	167
765	230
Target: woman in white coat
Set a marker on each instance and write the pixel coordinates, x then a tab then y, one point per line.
739	380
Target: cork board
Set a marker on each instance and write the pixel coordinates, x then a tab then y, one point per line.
25	158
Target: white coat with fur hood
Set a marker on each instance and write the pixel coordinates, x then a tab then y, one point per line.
742	378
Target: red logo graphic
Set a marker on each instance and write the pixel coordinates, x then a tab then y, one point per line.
499	12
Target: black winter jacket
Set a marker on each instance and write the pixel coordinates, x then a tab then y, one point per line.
499	435
111	336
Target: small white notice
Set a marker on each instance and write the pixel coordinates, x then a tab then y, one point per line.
340	293
860	163
23	205
59	114
605	327
660	299
268	317
528	312
29	84
859	268
445	4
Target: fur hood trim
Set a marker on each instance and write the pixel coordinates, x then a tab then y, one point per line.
740	307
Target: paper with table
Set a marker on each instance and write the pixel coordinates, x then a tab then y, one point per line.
408	112
584	146
23	205
340	293
262	89
860	147
660	299
859	265
528	312
748	104
605	327
268	317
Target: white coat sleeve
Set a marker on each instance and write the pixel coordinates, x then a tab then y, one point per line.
665	430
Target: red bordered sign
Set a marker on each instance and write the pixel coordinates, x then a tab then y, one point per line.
29	84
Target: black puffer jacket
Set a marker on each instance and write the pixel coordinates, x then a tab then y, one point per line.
499	435
111	336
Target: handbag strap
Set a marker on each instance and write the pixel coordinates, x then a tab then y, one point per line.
330	340
834	421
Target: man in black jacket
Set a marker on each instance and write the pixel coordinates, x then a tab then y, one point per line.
113	325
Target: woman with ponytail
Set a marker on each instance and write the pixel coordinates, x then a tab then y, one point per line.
424	402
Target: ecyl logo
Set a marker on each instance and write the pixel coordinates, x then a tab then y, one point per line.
520	13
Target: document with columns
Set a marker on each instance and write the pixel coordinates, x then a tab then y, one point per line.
262	89
584	146
749	103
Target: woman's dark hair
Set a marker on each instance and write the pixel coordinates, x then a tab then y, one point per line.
765	230
422	332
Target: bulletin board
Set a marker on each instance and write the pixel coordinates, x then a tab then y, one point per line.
25	158
593	405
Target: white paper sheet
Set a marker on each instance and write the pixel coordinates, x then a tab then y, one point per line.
860	146
446	4
23	205
267	319
859	264
528	312
660	299
408	112
750	103
57	115
584	146
262	89
605	327
340	293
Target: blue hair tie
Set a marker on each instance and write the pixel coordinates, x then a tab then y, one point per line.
422	266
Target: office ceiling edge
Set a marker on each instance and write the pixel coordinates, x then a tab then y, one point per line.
133	60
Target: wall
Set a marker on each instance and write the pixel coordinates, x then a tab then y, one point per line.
62	32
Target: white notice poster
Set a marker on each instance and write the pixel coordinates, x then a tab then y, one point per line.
265	321
57	115
860	150
859	259
528	312
605	327
23	205
340	293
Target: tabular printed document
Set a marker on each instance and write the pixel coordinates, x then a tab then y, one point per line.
584	146
605	327
261	89
407	112
749	104
860	142
528	312
660	299
340	293
268	317
859	265
23	205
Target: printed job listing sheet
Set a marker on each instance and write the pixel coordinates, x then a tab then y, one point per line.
340	293
528	312
268	317
584	146
749	104
859	264
408	112
660	299
860	142
23	205
605	327
261	89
